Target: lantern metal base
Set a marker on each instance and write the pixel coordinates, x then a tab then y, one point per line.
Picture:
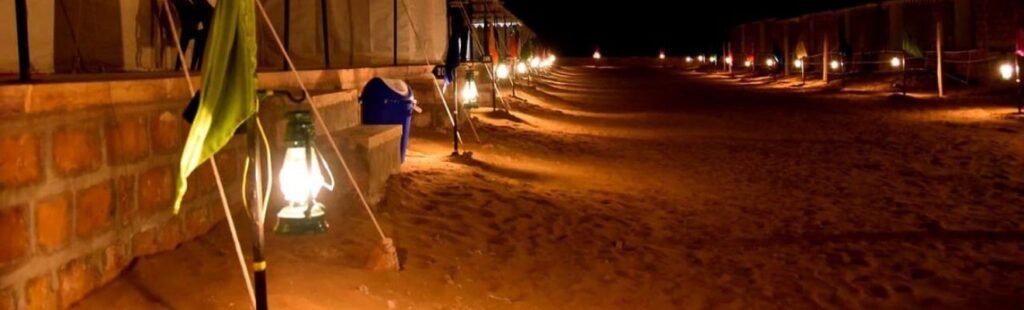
314	224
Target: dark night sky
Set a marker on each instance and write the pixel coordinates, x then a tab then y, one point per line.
642	27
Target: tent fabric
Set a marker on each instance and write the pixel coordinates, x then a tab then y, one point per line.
136	38
228	96
492	45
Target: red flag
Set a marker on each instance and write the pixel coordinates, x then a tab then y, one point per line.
1020	42
492	45
513	45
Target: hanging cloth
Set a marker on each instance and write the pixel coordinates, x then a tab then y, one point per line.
801	50
492	45
457	41
513	45
1020	41
910	47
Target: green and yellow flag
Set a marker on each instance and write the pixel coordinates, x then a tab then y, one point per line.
910	47
228	96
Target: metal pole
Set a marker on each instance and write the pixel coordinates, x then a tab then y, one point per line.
395	33
455	123
24	61
287	28
824	61
1020	90
326	33
938	53
904	74
259	264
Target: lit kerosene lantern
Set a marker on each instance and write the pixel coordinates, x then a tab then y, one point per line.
301	180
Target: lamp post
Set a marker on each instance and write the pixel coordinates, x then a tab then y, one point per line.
799	64
901	63
597	58
1011	72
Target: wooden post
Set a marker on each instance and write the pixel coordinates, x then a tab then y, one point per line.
785	51
824	61
938	53
24	60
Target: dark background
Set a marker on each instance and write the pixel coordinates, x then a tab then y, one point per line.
642	27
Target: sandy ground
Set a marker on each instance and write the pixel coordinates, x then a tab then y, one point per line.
623	188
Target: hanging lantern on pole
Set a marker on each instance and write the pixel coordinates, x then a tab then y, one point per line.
521	68
469	91
501	71
301	180
896	62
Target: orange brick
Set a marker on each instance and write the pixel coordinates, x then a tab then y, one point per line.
124	199
144	243
127	140
76	280
7	299
75	150
170	235
53	222
13	234
167	133
200	182
156	189
197	222
19	162
115	259
93	208
39	294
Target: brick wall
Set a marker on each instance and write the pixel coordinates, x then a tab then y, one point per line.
86	191
87	179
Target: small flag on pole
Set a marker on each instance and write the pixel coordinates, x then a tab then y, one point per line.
228	96
910	47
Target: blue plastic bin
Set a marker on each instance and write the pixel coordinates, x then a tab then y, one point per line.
388	102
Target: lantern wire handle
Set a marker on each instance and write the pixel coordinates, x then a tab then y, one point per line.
323	163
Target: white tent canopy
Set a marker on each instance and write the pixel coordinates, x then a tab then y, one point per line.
131	35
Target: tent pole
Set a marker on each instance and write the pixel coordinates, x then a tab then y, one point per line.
259	264
24	61
287	27
395	33
904	88
938	55
1020	87
326	34
455	123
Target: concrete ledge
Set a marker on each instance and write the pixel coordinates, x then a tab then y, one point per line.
371	152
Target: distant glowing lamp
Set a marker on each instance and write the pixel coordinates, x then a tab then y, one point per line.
799	63
769	62
689	59
535	62
896	62
834	65
301	180
700	58
1006	71
661	55
597	55
748	63
714	59
549	61
501	71
469	91
728	60
521	68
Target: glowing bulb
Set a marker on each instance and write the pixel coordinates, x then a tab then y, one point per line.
549	61
728	60
895	62
770	62
689	59
700	58
298	181
521	68
834	64
661	55
1006	71
597	55
469	92
714	59
502	71
799	63
748	63
535	62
